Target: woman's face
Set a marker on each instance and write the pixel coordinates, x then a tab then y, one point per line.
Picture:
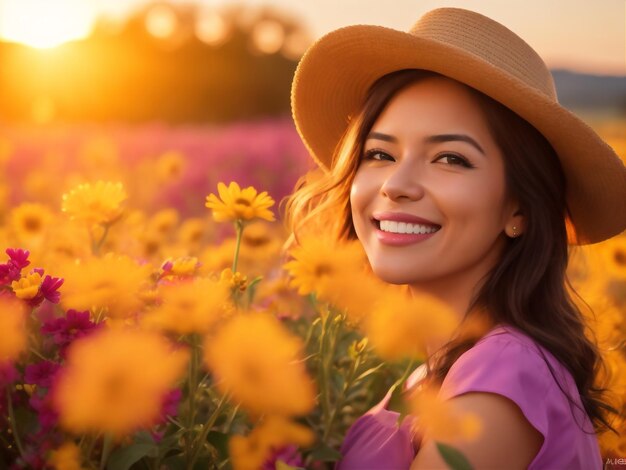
430	155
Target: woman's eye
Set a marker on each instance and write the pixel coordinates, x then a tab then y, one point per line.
371	155
455	160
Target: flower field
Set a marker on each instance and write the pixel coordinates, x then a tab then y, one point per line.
153	316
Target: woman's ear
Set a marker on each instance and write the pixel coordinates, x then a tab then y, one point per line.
516	224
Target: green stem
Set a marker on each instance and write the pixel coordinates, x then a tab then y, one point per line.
322	372
193	372
239	229
231	418
97	246
341	398
205	432
106	450
16	436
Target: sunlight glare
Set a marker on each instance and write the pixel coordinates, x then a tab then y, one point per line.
45	23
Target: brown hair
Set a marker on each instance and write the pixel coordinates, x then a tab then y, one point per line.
528	288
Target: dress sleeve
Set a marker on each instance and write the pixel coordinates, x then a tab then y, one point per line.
505	366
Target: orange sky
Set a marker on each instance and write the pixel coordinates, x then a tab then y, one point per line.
578	34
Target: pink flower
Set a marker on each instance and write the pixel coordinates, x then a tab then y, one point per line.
41	374
47	290
46	413
8	373
170	403
66	329
12	269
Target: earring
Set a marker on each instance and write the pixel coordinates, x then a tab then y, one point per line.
514	232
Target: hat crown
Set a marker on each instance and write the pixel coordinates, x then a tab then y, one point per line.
488	40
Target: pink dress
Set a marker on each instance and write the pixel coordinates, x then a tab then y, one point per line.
504	361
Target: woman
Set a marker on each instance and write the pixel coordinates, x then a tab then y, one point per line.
445	152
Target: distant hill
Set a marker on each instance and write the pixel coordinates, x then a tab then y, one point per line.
591	93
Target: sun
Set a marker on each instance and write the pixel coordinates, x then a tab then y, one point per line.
45	23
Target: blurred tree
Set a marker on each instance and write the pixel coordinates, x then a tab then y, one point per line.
167	62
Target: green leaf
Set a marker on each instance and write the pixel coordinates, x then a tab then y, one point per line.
219	441
368	372
325	453
397	403
252	288
453	457
124	457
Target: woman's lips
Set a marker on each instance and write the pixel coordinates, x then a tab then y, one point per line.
399	239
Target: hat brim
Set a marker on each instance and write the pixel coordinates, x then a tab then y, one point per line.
332	79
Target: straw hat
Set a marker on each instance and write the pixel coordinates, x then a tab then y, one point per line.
333	76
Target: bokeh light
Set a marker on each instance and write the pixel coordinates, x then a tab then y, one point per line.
268	36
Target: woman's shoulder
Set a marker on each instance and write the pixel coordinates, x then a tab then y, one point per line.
505	359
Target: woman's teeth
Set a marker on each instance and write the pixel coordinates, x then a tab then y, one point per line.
403	227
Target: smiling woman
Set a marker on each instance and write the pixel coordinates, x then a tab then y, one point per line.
445	152
45	24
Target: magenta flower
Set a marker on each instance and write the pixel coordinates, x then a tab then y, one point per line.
48	290
170	403
286	454
8	373
46	414
66	329
41	374
12	269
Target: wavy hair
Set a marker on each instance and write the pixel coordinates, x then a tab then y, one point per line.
528	288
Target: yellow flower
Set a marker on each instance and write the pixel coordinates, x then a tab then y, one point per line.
113	283
185	266
13	334
27	286
30	220
100	203
614	251
441	420
279	298
170	165
114	381
320	263
66	457
235	204
192	231
236	280
256	359
163	222
250	452
193	306
400	325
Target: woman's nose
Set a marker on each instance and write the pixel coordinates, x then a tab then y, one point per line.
403	182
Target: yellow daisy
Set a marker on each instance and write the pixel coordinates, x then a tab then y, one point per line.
30	220
614	254
440	420
66	457
250	452
399	326
13	334
188	307
163	222
114	381
235	204
100	203
170	165
320	263
256	359
112	283
27	286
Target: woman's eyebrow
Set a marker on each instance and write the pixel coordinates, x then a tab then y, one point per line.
430	139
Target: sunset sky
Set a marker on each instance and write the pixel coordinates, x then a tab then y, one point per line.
576	34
